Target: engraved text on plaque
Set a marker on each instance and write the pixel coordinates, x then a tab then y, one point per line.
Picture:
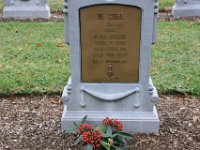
110	43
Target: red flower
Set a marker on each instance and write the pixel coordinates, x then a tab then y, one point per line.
113	122
117	124
92	137
84	128
107	121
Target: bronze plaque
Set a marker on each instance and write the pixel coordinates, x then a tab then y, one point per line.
110	43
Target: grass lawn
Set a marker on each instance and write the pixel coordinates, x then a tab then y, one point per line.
58	4
1	5
166	4
176	57
34	59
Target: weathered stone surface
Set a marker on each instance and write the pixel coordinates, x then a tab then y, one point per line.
131	100
186	8
26	9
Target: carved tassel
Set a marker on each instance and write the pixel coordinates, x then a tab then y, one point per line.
137	104
82	102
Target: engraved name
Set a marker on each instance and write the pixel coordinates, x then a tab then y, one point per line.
112	16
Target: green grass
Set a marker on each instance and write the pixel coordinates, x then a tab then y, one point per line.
166	4
1	5
176	57
56	5
33	58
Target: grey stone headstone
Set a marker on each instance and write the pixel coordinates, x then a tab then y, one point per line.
133	103
26	9
186	8
66	31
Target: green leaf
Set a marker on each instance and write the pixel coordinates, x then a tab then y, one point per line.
76	125
78	140
109	131
119	140
105	145
123	134
69	131
105	135
118	148
83	119
73	130
95	127
65	132
101	127
89	147
124	141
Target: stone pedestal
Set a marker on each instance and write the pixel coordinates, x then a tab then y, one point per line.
26	9
110	50
127	108
186	8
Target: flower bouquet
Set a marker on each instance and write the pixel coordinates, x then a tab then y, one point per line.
108	135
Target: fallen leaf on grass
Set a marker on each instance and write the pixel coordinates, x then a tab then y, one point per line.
188	78
36	75
39	44
60	45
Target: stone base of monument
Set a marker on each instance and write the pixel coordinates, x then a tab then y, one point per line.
27	12
144	122
133	121
186	10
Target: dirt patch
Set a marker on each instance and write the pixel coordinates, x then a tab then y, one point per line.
167	16
179	125
33	122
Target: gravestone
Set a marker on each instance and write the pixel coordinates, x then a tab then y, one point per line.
110	44
186	8
26	9
66	21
